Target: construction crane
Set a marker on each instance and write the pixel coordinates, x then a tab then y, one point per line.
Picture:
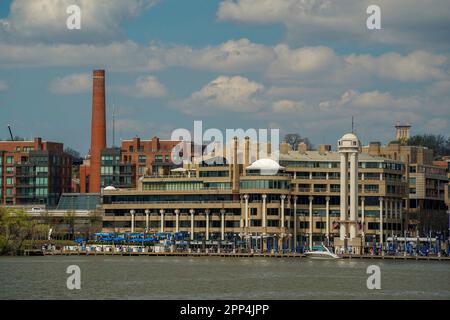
10	132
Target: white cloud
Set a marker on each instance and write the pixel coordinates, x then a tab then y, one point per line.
403	21
147	87
71	84
302	62
416	66
313	65
118	56
3	85
374	100
288	107
324	65
45	20
236	94
230	56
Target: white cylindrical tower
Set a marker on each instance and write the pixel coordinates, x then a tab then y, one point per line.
349	146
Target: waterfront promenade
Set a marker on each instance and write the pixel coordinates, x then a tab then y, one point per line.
233	255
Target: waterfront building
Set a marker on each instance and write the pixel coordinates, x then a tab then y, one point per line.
266	204
33	172
425	198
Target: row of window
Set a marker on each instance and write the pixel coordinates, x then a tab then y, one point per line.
264	184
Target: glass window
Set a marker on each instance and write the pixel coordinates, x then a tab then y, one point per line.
142	159
9	160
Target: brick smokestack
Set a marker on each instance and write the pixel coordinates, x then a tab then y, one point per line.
98	130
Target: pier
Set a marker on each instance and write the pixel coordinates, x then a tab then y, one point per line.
235	255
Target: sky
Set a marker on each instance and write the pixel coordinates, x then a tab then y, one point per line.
302	66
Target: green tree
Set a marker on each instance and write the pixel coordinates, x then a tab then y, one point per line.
16	226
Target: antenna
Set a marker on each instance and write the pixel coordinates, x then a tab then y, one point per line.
114	126
10	132
353	126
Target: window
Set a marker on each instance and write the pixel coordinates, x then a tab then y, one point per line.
304	224
107	170
320	225
142	159
9	170
9	191
9	160
42	181
41	169
167	158
41	192
141	170
9	181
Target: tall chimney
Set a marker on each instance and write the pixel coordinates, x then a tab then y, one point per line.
98	130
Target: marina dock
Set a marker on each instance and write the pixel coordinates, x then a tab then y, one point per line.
235	255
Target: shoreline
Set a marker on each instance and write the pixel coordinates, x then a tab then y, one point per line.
230	255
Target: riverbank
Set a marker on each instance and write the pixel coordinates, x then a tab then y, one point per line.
232	255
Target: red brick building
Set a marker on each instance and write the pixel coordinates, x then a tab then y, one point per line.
33	172
122	167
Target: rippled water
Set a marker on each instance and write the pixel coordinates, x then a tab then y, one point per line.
219	278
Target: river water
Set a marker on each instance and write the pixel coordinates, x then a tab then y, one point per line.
219	278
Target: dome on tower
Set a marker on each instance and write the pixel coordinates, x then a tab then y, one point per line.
349	136
349	143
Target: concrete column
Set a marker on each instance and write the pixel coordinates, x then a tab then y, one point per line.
246	210
363	214
400	211
235	165
177	221
222	224
207	223
246	154
295	223
381	222
344	196
147	224
386	211
391	209
161	228
132	212
310	222
264	211
327	214
192	223
353	194
282	210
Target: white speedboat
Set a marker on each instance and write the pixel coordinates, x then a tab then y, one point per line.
321	252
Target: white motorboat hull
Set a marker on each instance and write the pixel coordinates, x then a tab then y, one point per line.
321	255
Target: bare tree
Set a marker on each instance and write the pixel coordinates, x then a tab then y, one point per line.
294	139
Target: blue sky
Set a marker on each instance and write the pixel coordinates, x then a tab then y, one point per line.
300	66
